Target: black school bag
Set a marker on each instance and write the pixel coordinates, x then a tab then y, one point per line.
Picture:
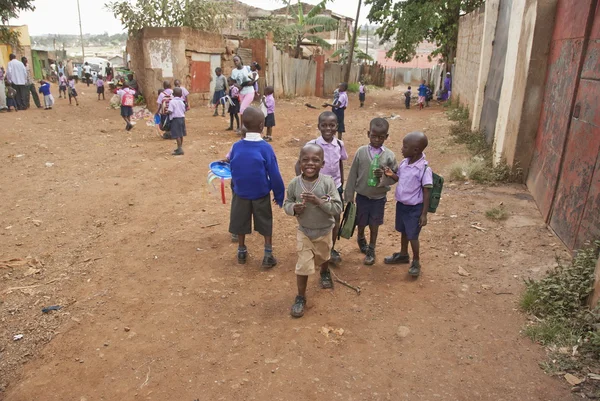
436	191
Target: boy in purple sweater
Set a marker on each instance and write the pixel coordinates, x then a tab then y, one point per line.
254	174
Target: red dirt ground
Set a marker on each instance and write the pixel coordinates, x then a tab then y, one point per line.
134	247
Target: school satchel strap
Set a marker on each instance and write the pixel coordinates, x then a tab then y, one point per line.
348	222
436	190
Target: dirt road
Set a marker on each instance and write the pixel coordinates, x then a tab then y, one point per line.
129	241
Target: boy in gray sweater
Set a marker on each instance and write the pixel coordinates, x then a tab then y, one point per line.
314	200
370	200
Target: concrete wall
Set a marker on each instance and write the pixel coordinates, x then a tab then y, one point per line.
468	57
159	54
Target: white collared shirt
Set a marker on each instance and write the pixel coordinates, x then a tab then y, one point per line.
253	137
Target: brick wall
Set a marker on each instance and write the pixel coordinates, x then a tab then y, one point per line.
468	54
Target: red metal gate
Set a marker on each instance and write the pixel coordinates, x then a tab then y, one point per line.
564	175
201	76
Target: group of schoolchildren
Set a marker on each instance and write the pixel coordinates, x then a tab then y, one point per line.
315	195
44	89
425	96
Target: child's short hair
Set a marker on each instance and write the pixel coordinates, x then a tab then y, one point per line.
381	124
344	86
269	89
161	90
409	87
177	92
327	114
218	69
256	65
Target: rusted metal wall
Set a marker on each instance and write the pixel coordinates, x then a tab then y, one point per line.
564	176
493	87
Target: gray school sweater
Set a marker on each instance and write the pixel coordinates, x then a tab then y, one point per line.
315	221
359	174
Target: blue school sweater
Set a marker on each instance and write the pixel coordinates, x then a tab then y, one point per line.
45	89
255	172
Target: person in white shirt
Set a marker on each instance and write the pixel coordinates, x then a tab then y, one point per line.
87	70
16	75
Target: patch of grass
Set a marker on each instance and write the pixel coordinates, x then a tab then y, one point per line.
475	140
458	113
564	320
353	88
497	214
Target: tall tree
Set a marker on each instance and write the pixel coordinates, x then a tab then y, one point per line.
343	52
353	43
291	31
199	14
11	9
411	22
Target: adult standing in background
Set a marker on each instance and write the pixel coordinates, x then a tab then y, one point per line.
240	75
109	73
447	92
16	75
30	86
87	71
2	89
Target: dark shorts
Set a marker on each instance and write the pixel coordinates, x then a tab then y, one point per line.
369	212
407	219
270	120
88	76
235	108
244	210
126	111
361	97
100	90
72	93
217	97
11	102
62	88
178	128
340	116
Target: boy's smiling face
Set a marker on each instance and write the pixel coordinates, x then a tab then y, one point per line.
377	137
328	126
311	160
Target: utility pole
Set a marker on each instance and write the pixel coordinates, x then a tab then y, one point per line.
351	54
81	34
367	51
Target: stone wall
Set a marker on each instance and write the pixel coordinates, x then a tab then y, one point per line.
468	55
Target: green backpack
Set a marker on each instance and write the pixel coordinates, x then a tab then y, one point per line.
348	224
436	191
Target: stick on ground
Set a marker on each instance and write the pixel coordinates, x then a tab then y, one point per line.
344	283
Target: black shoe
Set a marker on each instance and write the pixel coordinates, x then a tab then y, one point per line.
370	258
397	259
242	256
362	244
298	307
177	152
326	281
335	258
269	262
229	129
415	269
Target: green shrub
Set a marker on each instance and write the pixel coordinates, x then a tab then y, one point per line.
353	88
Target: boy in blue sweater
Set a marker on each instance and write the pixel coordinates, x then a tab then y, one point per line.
254	174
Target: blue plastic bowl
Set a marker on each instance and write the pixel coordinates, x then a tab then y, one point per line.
220	169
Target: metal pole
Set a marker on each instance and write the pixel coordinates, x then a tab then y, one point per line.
347	77
81	33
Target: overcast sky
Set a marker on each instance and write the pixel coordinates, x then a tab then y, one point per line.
60	16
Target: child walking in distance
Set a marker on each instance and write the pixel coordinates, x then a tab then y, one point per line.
269	102
48	98
234	106
415	181
334	155
100	86
176	112
407	96
362	93
255	173
11	98
71	90
163	100
220	87
62	85
422	94
366	178
184	93
314	200
339	106
127	97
